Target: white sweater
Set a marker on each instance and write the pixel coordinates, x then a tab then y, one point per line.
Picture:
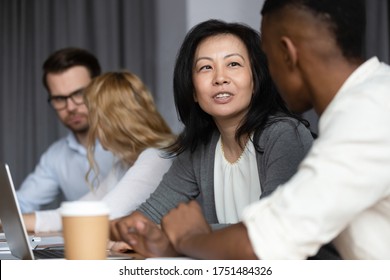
123	190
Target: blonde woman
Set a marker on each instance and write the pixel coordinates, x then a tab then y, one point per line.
124	118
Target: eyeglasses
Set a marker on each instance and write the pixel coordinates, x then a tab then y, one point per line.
60	102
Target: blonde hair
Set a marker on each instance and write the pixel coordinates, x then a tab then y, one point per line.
123	117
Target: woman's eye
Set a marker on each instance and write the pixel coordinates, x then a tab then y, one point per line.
234	64
205	67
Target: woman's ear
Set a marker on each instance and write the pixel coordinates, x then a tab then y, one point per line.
290	53
195	98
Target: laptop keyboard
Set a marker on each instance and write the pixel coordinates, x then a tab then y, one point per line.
49	254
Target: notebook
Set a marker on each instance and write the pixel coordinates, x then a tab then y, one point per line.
15	230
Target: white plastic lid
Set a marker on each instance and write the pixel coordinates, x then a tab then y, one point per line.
84	208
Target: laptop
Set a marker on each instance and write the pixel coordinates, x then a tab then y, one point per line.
15	230
13	224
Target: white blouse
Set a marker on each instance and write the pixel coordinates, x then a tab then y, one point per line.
236	185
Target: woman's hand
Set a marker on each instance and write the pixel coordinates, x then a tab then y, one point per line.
144	236
118	246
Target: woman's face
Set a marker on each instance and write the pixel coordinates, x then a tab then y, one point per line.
222	77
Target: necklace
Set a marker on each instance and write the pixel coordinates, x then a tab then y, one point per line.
238	159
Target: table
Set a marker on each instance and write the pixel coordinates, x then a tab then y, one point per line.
5	253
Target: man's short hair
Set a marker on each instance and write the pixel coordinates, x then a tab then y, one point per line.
63	59
346	20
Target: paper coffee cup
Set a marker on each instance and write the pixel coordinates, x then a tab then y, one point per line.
85	227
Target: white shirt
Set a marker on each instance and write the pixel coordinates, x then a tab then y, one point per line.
236	185
342	188
61	169
123	190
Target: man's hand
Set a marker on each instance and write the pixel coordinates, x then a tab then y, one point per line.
191	235
29	221
184	222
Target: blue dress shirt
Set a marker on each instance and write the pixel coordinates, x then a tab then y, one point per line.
61	169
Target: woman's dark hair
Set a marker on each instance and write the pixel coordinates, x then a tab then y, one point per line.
266	104
66	58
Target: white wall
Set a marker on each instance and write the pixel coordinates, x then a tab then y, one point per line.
246	11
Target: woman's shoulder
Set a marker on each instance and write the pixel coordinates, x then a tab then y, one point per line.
284	123
288	126
152	153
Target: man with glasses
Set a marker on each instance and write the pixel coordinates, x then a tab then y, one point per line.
62	168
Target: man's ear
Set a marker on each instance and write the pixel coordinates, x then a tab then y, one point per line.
290	53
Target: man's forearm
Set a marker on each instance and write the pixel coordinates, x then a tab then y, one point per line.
231	242
29	221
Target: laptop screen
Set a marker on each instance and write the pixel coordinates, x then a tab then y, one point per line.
11	218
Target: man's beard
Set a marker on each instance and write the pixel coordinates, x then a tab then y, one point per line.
80	129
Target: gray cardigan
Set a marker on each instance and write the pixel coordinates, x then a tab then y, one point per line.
191	176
